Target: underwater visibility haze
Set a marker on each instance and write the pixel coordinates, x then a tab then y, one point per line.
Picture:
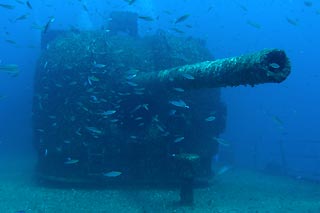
159	106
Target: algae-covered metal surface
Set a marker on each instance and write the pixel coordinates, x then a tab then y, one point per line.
266	66
118	108
93	121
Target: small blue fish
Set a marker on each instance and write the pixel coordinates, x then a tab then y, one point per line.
223	170
179	139
89	81
145	106
93	98
109	112
9	68
94	130
112	174
138	93
179	103
274	65
132	83
95	65
46	27
29	5
188	76
277	120
178	89
71	161
181	18
7	6
172	112
160	128
129	77
210	118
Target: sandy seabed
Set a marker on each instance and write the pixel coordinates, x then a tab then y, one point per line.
236	191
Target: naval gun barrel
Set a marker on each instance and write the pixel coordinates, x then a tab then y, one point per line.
266	66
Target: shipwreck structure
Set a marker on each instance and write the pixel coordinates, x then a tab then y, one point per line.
114	108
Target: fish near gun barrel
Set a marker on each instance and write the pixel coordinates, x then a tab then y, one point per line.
12	69
266	66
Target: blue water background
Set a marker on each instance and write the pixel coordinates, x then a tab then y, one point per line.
252	112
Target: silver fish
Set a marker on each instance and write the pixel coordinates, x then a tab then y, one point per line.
223	170
274	65
136	108
112	174
172	112
94	130
129	77
221	141
108	112
89	81
179	103
179	139
94	98
182	18
132	83
178	89
145	106
47	26
138	93
10	68
210	118
71	161
95	65
160	128
188	76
